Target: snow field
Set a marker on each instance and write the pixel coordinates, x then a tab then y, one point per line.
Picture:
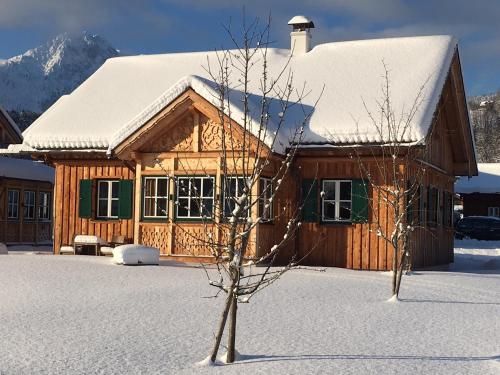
80	314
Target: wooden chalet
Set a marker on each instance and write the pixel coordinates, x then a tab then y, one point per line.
25	193
125	141
481	195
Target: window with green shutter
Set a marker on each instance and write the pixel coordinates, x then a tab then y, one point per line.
310	200
360	201
85	201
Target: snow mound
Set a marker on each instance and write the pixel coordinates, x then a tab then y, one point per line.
136	255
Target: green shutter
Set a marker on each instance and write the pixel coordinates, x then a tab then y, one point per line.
126	189
359	201
85	203
310	200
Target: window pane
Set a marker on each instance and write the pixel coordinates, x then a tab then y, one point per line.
329	211
103	189
182	207
102	209
115	188
149	187
162	187
196	187
329	190
161	207
149	206
208	207
208	187
345	190
195	208
114	207
183	186
345	210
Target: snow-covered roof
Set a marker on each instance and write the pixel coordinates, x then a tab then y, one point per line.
25	169
126	91
11	122
487	181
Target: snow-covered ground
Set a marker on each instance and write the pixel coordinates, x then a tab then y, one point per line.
83	315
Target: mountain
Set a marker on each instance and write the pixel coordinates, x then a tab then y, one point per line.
33	81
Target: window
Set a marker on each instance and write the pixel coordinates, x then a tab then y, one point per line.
13	204
107	199
494	211
336	199
29	205
155	203
233	189
44	206
195	197
421	206
432	205
265	193
447	209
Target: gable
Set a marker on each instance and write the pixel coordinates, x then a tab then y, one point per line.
189	124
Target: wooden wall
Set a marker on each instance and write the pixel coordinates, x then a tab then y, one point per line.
357	246
21	230
67	224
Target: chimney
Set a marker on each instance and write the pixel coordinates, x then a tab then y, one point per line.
300	36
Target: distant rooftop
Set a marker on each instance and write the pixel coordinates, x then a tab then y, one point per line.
25	170
488	180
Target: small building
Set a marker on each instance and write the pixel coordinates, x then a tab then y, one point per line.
26	193
130	143
481	194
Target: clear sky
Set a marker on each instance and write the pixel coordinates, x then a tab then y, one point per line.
156	26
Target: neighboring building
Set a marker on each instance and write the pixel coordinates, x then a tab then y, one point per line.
9	131
25	193
118	139
481	194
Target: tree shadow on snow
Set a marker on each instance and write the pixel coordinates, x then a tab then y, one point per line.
356	357
414	300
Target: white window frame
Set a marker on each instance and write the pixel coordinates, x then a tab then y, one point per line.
13	205
44	206
190	198
155	197
29	203
265	194
227	198
109	199
337	202
494	211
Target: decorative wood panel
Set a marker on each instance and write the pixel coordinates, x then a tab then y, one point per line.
192	239
211	137
178	137
158	236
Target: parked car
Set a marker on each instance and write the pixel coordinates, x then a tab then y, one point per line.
478	227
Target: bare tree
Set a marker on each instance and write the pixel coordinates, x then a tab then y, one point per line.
394	169
486	123
258	146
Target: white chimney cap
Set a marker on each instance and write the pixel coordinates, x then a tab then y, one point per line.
301	20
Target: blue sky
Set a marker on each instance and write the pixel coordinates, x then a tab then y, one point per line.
154	26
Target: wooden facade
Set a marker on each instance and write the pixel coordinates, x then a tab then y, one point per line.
185	139
481	204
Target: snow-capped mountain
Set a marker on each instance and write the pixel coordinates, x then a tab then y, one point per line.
37	78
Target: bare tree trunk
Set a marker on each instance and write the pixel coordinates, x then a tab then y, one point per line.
231	342
404	259
394	269
222	325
